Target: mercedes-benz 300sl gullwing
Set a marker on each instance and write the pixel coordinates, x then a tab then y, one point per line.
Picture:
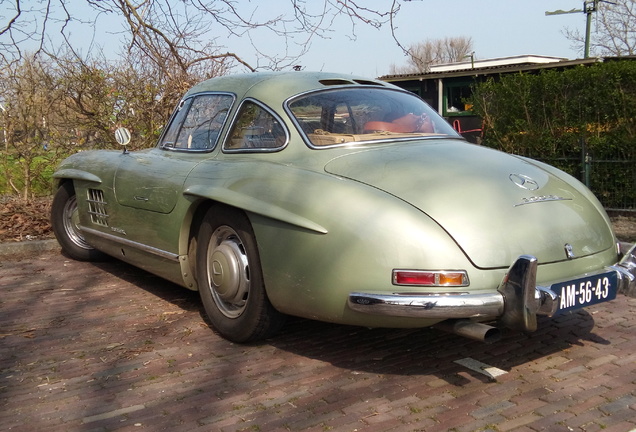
342	199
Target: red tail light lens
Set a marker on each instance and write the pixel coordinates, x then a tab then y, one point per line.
437	278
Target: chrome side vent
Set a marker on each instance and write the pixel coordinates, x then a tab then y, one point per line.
97	207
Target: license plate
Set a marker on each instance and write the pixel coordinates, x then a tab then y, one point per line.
586	291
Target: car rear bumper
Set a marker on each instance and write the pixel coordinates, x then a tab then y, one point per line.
515	305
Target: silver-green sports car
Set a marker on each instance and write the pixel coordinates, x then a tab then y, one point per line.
343	199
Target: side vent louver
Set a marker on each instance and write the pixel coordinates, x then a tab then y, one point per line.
97	207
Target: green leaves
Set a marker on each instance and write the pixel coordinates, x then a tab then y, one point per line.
567	117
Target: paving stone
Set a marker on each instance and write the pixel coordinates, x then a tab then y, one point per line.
492	409
516	423
105	346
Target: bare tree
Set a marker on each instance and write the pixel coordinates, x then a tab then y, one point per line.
28	93
100	95
187	32
53	107
421	55
615	29
58	90
169	44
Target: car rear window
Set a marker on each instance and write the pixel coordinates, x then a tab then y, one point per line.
361	115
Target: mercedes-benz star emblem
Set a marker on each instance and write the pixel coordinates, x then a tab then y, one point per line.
524	182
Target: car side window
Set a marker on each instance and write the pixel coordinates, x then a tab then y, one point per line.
256	128
198	123
170	136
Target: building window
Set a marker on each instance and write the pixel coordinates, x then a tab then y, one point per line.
455	96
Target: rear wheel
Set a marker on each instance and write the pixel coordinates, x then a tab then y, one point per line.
65	224
230	278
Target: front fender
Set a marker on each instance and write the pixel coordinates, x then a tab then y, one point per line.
95	166
76	174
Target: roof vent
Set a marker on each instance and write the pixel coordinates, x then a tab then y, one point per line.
369	82
333	82
340	81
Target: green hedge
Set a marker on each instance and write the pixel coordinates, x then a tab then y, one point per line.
566	116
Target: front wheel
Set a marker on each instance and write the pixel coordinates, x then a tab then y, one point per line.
65	224
230	278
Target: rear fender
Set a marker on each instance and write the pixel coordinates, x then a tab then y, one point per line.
254	205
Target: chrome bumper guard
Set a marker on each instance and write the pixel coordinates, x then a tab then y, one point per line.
516	304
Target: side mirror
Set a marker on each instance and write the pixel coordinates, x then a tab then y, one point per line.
122	135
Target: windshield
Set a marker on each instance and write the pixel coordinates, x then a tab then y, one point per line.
350	115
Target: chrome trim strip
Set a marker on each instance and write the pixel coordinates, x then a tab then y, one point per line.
429	305
133	244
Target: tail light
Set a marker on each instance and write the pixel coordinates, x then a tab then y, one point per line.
428	278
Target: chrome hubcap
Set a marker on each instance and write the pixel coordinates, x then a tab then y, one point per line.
228	272
71	223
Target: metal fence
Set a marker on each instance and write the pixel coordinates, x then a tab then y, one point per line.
612	181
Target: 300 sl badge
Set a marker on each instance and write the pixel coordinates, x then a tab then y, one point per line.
543	198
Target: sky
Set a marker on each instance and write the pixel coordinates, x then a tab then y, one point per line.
498	28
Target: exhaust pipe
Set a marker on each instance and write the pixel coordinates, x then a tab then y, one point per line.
472	330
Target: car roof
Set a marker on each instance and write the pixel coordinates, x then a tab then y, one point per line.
282	84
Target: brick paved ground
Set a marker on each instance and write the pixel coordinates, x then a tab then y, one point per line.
106	347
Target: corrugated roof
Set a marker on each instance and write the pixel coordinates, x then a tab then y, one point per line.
492	70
